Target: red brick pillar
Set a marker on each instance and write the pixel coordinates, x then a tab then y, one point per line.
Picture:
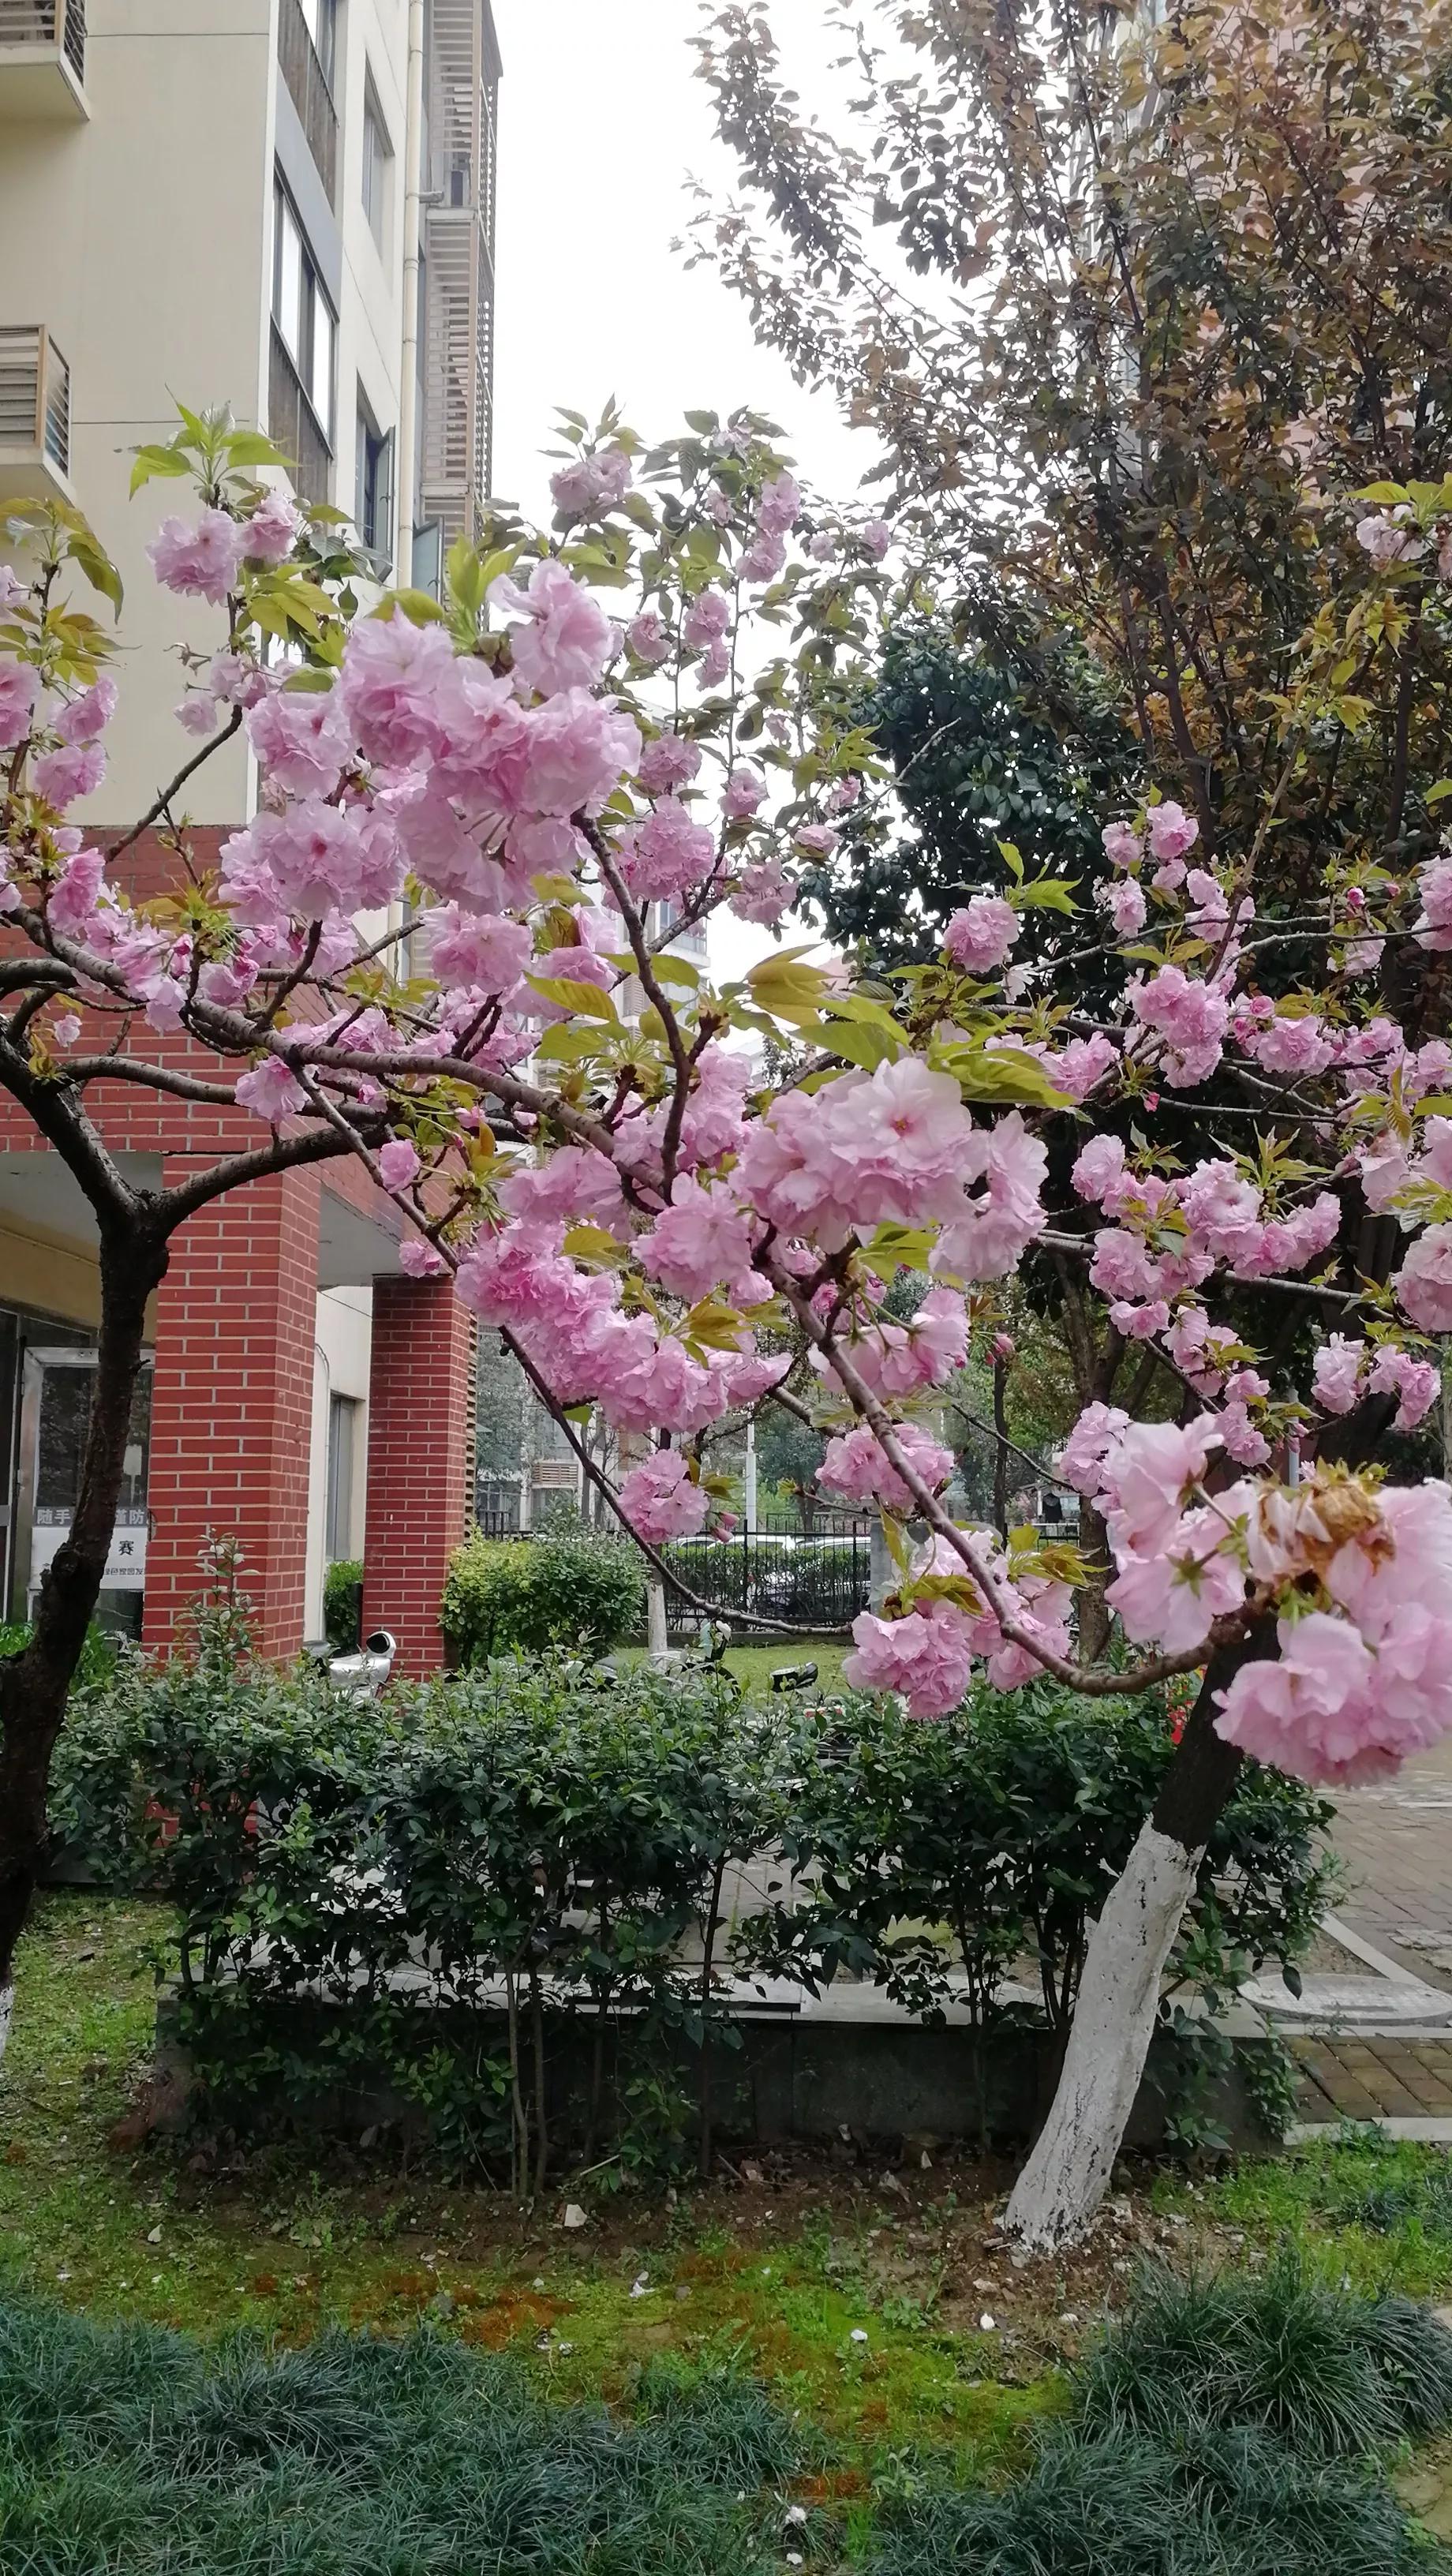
232	1407
420	1424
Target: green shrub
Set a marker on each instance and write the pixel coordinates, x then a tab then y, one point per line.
523	1595
136	2449
343	1605
533	1819
98	1654
1004	1827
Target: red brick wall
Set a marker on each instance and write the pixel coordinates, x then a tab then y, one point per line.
232	1404
420	1414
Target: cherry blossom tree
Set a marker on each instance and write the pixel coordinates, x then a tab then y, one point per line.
586	745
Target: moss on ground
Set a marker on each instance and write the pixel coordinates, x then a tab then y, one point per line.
124	2228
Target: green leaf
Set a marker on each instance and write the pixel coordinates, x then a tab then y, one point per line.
253	447
1435	795
1002	1075
676	970
1387	494
156	460
98	568
417	606
586	1001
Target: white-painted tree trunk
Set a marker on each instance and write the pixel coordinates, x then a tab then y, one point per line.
655	1615
1067	2174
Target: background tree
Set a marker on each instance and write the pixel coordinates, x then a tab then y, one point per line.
991	734
1134	307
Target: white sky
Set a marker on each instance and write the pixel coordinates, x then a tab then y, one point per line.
601	123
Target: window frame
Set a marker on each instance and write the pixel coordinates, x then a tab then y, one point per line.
377	153
374	478
340	1495
289	232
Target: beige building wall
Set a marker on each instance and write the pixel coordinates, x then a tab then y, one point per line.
141	237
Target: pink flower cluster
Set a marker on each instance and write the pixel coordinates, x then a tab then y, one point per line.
856	1467
1345	1372
980	936
660	1500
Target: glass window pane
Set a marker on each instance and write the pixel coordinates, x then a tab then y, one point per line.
289	280
321	385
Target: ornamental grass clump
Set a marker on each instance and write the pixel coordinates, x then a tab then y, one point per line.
129	2448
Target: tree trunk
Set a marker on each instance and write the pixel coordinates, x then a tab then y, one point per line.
1065	2178
34	1685
1090	1607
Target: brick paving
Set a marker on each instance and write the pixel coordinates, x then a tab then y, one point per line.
1364	2077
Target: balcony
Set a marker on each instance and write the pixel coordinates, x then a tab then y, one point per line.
43	60
292	425
35	417
308	88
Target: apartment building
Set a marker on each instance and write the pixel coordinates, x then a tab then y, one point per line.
287	206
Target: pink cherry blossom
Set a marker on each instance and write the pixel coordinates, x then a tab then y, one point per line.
1171	1598
420	1260
198	714
660	1501
273	529
647	638
1322	1710
1434	884
745	791
665	856
1190	1018
1125	904
928	1657
485	949
302	738
980	936
199	562
856	1467
20	686
763	559
392	679
701	1239
763	893
1337	1373
63	776
1416	1383
816	840
582	487
74	895
707	619
1424	1282
780	506
576	750
398	1163
89	714
714	664
1098	1167
1171	831
1147	1476
565	638
1386	542
270	1091
1095	1435
876	537
1001	1211
672	760
1122	845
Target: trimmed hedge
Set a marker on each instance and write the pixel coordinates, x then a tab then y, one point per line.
524	1595
547	1820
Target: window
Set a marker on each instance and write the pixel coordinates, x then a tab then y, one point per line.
343	1412
376	157
374	511
301	311
322	25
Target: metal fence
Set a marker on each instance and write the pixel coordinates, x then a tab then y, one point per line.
818	1582
774	1571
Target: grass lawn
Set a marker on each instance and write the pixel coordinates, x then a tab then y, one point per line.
872	2302
754	1665
807	2349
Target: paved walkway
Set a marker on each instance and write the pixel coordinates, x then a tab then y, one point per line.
1395	1842
1369	2077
